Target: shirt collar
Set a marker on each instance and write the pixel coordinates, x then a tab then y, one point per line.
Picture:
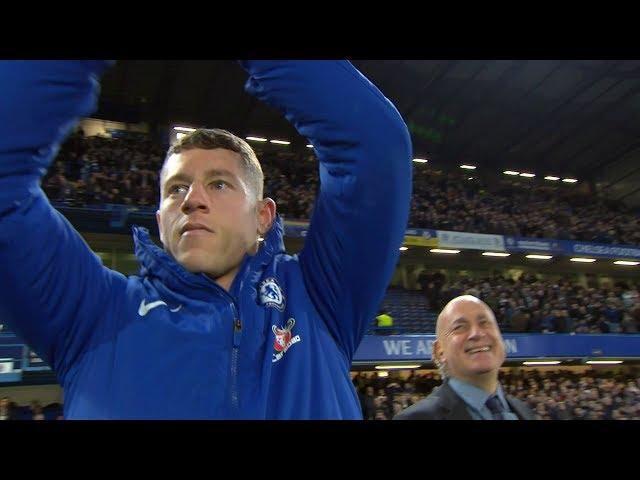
474	396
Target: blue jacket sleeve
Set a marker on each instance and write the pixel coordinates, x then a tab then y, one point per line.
53	289
362	209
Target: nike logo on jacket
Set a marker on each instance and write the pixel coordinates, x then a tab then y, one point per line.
147	307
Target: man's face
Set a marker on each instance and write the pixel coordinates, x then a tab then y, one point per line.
469	340
209	217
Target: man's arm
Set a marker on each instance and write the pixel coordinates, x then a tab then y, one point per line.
53	289
362	209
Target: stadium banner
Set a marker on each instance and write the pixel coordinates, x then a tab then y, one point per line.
472	241
421	237
533	245
418	347
570	248
602	250
412	348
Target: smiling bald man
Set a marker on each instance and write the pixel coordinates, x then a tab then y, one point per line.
469	352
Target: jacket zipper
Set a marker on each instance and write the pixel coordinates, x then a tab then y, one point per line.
237	335
235	352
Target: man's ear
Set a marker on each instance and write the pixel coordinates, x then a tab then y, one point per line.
266	212
437	353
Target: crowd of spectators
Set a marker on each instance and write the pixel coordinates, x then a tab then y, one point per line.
555	395
99	170
520	207
532	304
10	410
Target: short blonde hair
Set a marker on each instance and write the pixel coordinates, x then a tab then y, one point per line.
210	139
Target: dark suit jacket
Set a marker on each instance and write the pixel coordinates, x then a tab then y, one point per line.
445	404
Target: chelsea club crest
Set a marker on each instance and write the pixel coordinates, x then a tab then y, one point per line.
271	295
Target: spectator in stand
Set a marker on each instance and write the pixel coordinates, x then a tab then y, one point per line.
36	411
6	409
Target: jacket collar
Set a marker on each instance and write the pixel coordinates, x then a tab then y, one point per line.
452	407
159	266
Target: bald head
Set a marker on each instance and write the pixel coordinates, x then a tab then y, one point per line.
450	309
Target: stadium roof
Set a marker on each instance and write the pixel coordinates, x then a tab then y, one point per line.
564	117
